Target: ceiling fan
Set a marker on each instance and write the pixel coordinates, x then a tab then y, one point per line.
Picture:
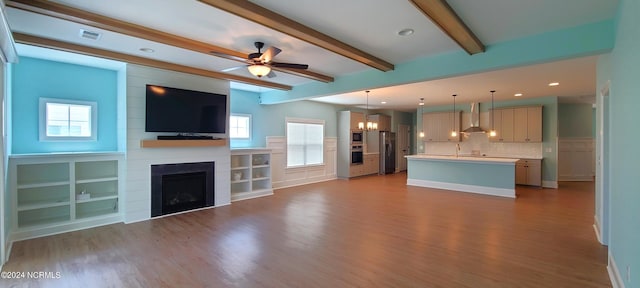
260	63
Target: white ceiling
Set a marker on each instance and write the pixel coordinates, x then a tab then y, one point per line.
370	25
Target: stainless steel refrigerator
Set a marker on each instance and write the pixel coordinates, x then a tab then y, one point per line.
387	145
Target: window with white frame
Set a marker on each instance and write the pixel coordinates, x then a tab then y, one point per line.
240	126
62	119
305	142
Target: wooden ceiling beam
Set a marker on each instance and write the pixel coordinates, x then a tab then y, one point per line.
80	49
275	21
60	11
444	17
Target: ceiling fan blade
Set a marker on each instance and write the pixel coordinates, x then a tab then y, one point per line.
268	54
271	74
289	65
230	57
233	68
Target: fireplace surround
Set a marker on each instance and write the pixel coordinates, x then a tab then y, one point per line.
181	187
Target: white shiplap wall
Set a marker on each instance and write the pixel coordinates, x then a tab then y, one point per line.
137	204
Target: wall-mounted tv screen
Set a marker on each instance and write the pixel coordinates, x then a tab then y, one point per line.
184	111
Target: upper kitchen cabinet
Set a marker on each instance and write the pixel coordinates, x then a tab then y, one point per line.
354	119
437	126
503	124
384	121
527	124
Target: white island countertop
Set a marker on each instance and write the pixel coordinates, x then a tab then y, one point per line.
472	159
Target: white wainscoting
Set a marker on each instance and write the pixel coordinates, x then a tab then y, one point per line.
137	196
576	159
286	177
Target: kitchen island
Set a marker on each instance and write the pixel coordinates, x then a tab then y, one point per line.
482	175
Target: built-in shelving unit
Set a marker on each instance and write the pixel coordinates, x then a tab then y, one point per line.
152	143
250	173
55	193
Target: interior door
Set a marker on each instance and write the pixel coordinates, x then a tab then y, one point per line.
402	147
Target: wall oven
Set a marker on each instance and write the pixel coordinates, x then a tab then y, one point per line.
356	155
356	137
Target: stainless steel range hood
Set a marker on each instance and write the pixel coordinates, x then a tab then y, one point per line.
474	120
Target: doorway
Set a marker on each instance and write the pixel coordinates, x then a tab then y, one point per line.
402	139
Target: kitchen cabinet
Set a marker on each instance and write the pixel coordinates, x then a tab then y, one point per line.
527	124
384	121
370	165
529	172
354	119
503	123
437	126
250	173
347	122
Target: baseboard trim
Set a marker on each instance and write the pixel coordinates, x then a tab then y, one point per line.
276	187
493	191
614	273
596	228
550	184
30	233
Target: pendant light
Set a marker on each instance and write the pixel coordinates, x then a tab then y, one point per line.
492	133
454	132
421	116
371	125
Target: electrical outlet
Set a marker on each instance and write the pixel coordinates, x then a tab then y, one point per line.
628	274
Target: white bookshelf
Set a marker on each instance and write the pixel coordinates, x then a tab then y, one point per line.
250	173
45	188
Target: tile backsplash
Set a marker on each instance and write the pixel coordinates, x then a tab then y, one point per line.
480	142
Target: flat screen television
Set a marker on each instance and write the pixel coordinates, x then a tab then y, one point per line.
184	111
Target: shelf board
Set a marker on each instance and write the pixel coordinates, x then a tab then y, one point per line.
260	178
45	222
97	199
260	166
44	184
240	168
40	205
239	181
106	179
96	213
149	143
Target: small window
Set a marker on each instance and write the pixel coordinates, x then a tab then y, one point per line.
68	120
305	142
240	126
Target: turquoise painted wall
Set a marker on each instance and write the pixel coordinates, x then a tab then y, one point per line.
34	78
588	39
461	172
625	183
549	126
575	120
269	120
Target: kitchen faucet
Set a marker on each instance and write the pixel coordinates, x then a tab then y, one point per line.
457	149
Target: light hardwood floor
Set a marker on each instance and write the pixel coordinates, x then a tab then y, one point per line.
367	232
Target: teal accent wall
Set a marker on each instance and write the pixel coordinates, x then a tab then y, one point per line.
549	127
589	39
34	78
625	183
575	120
269	120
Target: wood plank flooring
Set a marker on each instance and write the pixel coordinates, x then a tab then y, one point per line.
367	232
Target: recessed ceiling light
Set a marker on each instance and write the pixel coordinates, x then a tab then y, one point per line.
147	50
517	94
554	84
405	32
383	102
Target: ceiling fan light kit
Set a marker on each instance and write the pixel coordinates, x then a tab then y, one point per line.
259	70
